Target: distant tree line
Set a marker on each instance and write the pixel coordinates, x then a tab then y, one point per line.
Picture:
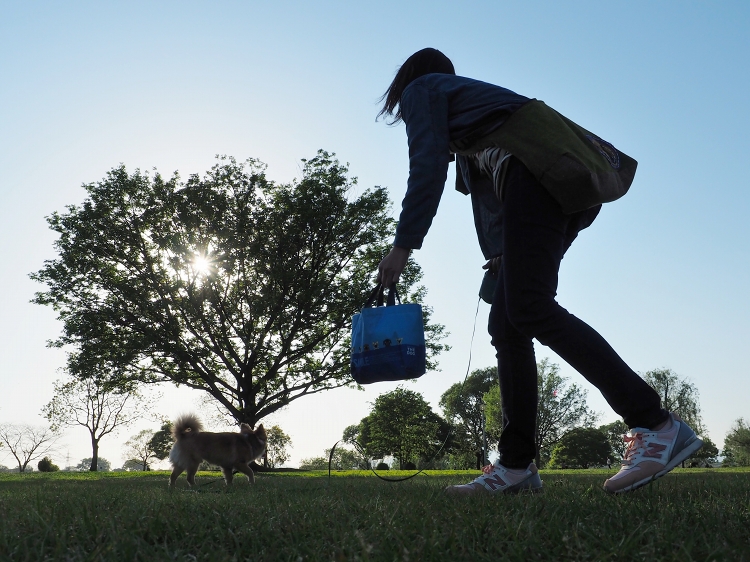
402	426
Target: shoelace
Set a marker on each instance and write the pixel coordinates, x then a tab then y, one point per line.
634	444
487	469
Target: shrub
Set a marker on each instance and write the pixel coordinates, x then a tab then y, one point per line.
315	463
382	466
582	447
46	465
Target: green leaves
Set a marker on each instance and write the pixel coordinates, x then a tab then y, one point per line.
737	444
403	425
581	447
615	432
561	408
229	283
464	404
677	395
276	448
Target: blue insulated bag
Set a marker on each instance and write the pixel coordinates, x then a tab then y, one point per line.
387	341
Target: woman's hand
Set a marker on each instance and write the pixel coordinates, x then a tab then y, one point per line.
392	265
493	265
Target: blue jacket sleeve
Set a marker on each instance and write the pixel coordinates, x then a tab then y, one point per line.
425	113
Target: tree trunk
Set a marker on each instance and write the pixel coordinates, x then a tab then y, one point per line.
94	454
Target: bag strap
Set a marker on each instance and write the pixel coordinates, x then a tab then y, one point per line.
377	297
393	296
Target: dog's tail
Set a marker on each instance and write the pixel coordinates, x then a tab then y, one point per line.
185	425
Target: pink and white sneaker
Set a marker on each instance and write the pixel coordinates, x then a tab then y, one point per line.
651	454
497	479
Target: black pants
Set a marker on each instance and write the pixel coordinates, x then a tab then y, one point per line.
536	234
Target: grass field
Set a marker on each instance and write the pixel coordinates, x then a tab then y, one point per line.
690	514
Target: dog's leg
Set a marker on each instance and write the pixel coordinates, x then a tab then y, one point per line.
228	476
246	470
191	474
175	474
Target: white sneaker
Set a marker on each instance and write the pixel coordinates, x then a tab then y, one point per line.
651	454
500	480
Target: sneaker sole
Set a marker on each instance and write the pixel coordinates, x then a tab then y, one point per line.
532	485
691	448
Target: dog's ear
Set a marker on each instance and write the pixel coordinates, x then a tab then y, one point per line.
260	432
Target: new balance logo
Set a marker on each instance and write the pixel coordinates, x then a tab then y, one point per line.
654	450
494	482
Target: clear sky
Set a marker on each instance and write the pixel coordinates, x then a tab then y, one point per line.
663	273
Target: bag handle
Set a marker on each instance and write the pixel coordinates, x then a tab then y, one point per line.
393	296
376	296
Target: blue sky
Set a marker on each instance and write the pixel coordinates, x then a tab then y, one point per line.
662	273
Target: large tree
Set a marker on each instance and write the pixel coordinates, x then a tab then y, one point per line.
736	449
615	433
463	405
403	425
706	456
678	395
139	448
27	442
561	407
493	410
229	284
162	441
96	405
278	443
581	447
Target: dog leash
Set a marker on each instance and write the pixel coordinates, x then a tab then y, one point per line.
445	441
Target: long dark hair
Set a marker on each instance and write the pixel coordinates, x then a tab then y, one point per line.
420	63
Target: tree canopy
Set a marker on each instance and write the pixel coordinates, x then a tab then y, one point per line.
561	407
278	443
402	424
463	404
27	443
678	395
736	449
229	283
162	441
581	447
706	456
615	433
139	448
96	405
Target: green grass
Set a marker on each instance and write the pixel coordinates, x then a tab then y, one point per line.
688	515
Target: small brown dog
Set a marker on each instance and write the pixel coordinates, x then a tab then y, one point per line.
231	451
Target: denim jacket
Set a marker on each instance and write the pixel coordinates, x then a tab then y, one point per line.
439	109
